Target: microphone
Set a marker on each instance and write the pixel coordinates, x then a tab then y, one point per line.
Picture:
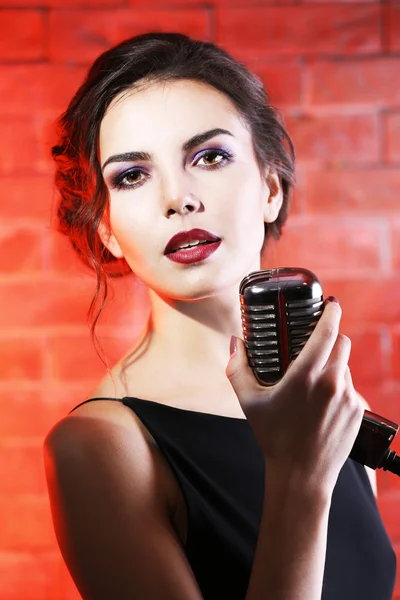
279	310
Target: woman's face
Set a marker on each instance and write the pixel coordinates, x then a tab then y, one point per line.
214	185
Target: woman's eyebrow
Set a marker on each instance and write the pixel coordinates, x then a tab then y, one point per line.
200	138
194	141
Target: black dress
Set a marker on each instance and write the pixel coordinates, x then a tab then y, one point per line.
220	469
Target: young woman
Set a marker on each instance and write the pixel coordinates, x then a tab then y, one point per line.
180	477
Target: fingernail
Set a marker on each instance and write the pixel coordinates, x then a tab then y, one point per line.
232	345
332	299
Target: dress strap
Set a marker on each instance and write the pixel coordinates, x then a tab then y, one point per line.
92	399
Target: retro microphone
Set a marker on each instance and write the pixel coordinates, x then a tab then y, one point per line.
280	309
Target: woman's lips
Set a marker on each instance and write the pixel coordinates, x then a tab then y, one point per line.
182	238
194	254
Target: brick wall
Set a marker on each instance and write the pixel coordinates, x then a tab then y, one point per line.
333	68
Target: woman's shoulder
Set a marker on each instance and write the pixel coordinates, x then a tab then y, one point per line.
104	408
107	432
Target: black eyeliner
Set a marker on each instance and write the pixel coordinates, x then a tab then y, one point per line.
116	181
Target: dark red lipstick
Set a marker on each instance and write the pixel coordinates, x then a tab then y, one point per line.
202	243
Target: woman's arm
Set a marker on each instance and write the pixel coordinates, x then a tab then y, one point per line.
293	531
305	426
290	553
111	514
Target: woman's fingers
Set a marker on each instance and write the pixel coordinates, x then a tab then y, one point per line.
339	357
319	346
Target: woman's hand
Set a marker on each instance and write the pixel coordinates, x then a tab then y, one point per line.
307	423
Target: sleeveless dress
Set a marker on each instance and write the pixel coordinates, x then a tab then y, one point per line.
220	469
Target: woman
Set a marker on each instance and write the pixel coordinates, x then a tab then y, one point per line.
180	477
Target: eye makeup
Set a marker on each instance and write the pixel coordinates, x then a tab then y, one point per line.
226	154
118	181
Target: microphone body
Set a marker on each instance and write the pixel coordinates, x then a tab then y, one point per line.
279	310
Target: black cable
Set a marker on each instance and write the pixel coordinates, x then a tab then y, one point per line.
391	462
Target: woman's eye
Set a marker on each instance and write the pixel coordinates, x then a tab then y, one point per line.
133	178
214	158
128	180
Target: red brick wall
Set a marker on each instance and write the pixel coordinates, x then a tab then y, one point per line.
334	69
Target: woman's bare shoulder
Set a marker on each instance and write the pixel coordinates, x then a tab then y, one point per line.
99	427
100	465
105	402
102	407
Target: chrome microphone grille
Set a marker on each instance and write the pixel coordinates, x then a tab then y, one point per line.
259	326
301	316
279	310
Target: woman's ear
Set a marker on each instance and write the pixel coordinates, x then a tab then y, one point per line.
109	240
274	199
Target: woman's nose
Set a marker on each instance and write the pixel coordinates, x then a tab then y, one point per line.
179	195
182	204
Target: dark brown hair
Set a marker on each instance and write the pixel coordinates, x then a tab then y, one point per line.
151	57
